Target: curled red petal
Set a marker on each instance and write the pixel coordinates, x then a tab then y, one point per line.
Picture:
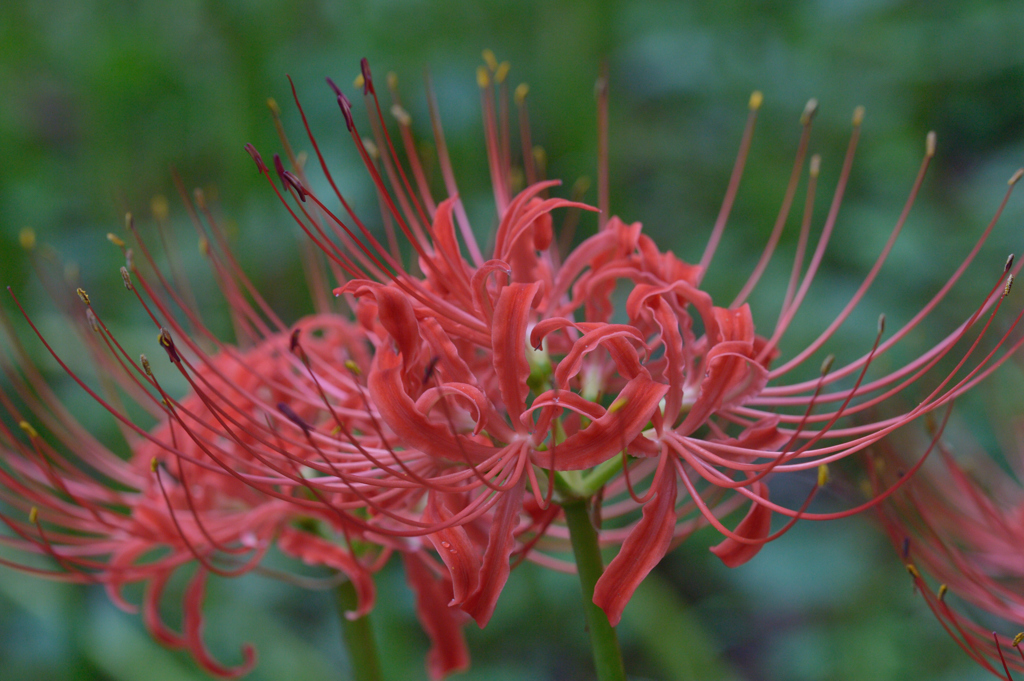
193	625
443	624
494	569
508	343
456	549
612	432
645	546
756	526
313	550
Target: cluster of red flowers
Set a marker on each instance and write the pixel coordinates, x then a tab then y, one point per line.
469	398
963	529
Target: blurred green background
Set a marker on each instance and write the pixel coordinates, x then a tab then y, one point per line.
103	97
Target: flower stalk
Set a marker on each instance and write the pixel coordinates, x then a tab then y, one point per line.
604	641
357	635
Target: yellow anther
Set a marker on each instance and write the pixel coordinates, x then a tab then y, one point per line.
145	365
581	186
521	91
1009	283
483	78
29	430
810	109
204	245
822	475
1016	176
27	238
371	148
115	239
158	206
815	165
502	73
618	404
490	60
401	115
353	367
94	323
929	144
83	295
942	591
126	278
164	338
359	82
153	463
912	569
272	105
33	515
826	365
1017	639
335	430
756	100
392	80
540	157
129	221
858	115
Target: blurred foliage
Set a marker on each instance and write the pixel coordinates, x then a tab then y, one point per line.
104	97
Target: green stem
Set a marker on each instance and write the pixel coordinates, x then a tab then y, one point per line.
358	637
604	642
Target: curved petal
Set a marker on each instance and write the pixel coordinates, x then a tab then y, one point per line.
612	432
443	624
644	548
508	344
456	550
495	568
313	550
755	525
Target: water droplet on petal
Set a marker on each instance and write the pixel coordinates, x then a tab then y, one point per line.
446	545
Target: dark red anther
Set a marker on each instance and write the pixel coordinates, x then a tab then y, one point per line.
288	178
431	365
906	548
346	110
168	344
290	414
260	165
367	78
293	344
337	90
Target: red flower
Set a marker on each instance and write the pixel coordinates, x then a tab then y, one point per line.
473	396
964	530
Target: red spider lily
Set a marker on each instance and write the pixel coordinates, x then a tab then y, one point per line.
222	479
473	395
964	529
513	372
